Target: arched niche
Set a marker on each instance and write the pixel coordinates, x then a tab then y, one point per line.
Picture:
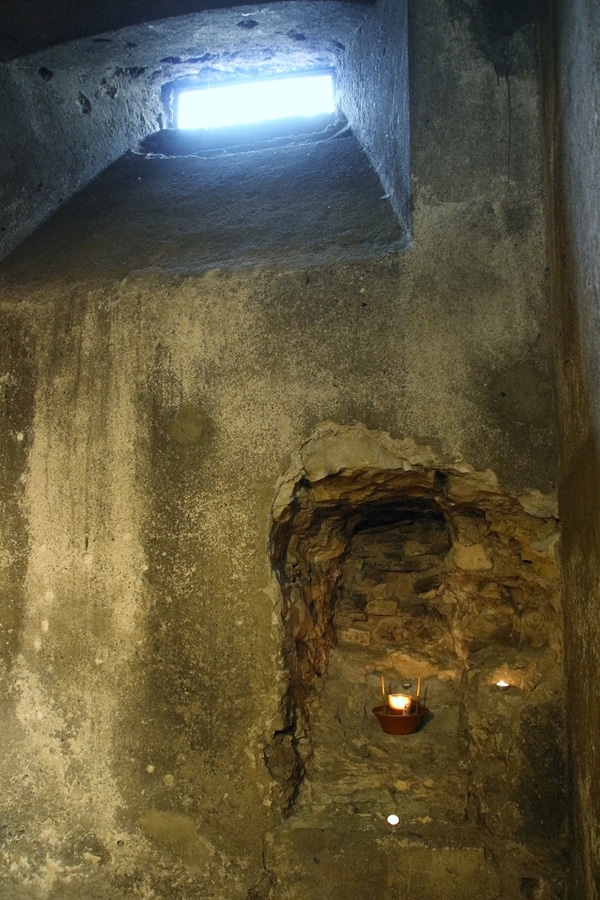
468	578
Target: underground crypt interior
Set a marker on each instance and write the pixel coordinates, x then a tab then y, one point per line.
299	421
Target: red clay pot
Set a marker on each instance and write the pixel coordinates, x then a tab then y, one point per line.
396	723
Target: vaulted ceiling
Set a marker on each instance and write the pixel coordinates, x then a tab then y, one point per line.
27	26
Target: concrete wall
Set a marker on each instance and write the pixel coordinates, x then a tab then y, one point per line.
62	127
574	167
26	30
376	66
146	422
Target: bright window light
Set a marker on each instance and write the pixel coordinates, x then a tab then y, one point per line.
255	101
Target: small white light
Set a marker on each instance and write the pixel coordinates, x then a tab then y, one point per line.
255	101
502	685
393	820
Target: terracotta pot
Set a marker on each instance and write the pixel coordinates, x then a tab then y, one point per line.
397	723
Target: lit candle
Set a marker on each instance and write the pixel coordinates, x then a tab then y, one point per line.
502	685
400	702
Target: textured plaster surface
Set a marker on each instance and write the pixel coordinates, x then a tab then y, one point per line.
375	66
28	27
572	122
189	211
148	415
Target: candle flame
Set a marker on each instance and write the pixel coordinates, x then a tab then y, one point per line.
399	701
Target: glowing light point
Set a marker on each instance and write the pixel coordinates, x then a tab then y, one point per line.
400	702
502	685
393	820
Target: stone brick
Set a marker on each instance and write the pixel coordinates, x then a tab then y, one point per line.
414	548
381	608
355	635
428	583
472	558
400	585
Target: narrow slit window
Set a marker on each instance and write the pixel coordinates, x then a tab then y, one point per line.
244	103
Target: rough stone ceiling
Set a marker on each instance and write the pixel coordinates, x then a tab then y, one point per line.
260	39
27	26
